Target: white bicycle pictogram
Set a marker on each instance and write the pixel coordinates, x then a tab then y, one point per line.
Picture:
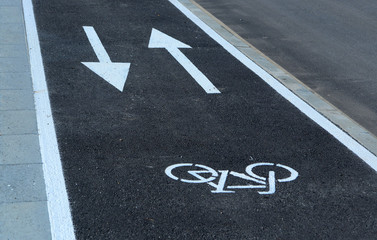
205	174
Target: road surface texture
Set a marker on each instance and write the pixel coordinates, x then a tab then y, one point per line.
331	46
120	149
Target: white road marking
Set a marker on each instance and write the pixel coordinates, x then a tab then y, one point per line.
113	73
161	40
322	121
243	176
271	183
96	44
221	186
57	199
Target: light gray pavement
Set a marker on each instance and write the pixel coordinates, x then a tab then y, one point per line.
23	202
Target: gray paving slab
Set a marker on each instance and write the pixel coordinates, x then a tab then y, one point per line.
12	33
19	149
10	2
27	220
11	14
23	201
18	122
15	81
22	183
13	51
16	100
14	65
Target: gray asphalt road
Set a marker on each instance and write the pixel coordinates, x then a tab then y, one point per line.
329	45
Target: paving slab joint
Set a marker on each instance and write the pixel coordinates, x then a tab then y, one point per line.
23	199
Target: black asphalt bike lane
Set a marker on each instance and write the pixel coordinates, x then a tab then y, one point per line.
115	146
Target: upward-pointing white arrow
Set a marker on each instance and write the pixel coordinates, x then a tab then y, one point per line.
161	40
113	73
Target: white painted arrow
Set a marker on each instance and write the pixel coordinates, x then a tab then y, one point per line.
161	40
113	73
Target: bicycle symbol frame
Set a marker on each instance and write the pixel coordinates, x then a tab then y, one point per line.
259	182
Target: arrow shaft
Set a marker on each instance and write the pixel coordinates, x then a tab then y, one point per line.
96	44
199	77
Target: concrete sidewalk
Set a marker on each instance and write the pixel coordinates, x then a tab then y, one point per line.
23	202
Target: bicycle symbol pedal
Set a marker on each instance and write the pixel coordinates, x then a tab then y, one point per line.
205	174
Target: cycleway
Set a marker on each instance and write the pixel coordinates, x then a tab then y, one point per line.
164	134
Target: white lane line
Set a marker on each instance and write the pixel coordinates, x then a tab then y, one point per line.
57	198
326	124
161	40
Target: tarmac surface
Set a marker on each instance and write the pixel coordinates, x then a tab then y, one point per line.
130	157
328	45
164	131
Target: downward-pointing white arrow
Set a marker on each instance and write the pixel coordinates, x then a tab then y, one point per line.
161	40
113	73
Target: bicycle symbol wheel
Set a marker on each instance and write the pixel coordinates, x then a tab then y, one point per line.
293	173
200	178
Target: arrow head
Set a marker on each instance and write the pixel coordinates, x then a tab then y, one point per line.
113	73
161	40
